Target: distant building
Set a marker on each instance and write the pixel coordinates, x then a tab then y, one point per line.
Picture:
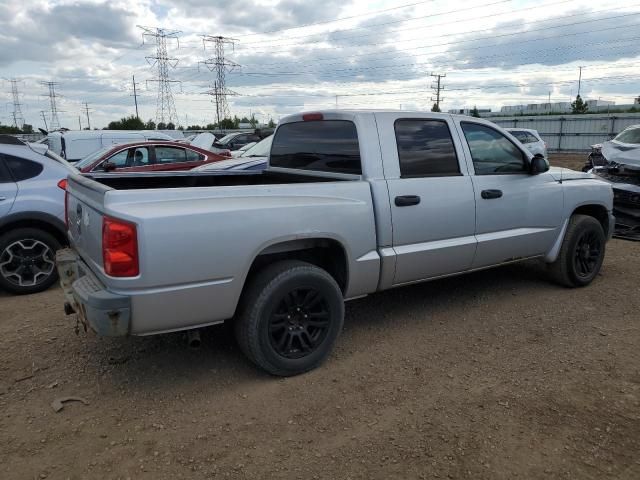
467	111
556	107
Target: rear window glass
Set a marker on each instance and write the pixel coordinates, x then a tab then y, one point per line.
5	176
22	169
425	148
327	146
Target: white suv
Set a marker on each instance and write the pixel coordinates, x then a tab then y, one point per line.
32	182
530	139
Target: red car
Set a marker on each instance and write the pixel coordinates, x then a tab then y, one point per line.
147	157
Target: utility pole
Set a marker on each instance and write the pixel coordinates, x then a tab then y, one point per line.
55	121
86	110
220	65
165	105
79	123
135	96
44	119
437	87
580	79
18	119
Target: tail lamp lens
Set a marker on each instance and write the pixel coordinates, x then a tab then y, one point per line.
119	248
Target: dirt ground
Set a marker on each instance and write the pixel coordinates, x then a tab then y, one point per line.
495	375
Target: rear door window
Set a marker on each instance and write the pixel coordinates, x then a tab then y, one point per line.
327	146
194	156
425	148
22	169
170	155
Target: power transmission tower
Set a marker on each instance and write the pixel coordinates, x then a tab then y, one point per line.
437	87
18	119
55	121
220	66
86	110
165	107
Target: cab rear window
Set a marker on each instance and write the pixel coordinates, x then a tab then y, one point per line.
326	146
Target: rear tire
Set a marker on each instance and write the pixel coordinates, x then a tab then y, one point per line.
581	254
290	316
27	260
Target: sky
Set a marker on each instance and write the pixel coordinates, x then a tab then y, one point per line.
295	55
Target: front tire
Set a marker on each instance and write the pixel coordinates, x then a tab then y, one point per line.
290	317
27	260
581	254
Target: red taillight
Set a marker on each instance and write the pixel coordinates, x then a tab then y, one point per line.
312	117
63	184
119	248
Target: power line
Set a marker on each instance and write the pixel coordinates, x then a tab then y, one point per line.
220	66
165	106
55	121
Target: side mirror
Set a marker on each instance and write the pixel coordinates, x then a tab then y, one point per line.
539	164
108	166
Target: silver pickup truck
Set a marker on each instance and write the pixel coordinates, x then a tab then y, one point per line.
353	202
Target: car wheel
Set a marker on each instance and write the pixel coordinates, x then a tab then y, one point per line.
291	315
27	260
581	254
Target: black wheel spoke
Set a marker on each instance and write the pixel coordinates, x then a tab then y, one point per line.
299	323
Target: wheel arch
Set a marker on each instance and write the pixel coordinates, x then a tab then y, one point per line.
39	220
597	211
324	252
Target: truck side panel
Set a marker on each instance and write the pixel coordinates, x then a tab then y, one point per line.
216	234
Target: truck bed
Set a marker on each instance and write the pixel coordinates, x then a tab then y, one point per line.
141	181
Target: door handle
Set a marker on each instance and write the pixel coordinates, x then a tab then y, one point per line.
407	200
489	194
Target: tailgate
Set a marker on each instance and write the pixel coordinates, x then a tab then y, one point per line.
85	209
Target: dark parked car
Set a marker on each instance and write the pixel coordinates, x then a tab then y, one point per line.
147	157
237	140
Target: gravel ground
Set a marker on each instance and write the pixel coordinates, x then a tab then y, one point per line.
495	375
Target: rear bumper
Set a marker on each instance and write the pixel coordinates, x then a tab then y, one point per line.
106	313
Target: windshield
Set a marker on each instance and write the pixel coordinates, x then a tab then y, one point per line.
260	149
226	138
630	135
91	158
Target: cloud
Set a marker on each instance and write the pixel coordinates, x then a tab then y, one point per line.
255	16
603	38
32	32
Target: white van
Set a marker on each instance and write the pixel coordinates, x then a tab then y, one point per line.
75	145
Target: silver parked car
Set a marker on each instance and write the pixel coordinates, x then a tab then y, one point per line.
32	181
530	139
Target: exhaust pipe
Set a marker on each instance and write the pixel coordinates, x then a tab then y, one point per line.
193	338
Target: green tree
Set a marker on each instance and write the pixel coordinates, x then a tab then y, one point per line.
126	123
272	124
475	112
227	123
9	129
162	126
26	128
194	127
171	126
435	108
150	125
245	120
236	121
210	126
579	106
